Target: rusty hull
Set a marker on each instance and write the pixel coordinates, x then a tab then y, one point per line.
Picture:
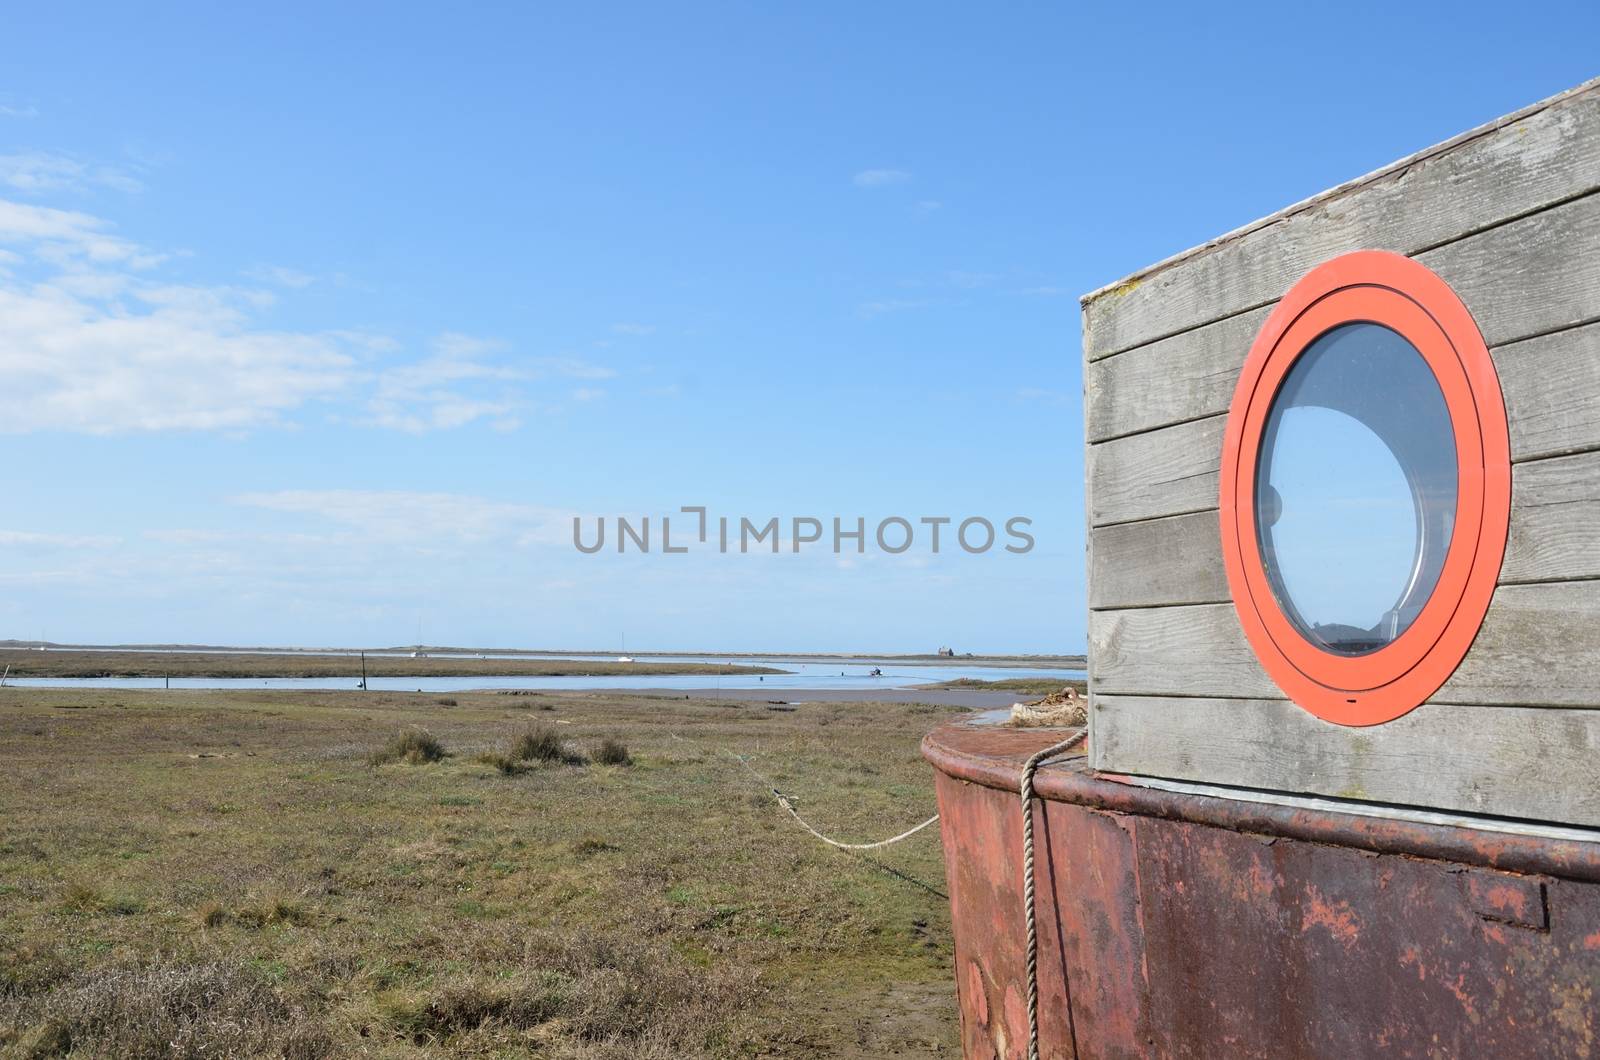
1192	926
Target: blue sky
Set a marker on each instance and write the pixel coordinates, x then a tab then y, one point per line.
318	326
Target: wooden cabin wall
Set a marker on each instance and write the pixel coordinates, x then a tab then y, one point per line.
1509	215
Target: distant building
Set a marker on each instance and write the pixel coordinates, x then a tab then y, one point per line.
949	653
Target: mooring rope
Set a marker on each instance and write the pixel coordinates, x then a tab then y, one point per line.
1028	769
788	804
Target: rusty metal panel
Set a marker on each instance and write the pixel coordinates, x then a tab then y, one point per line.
1169	929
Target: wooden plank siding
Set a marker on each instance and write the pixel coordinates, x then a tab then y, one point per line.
1509	215
1512	762
1516	166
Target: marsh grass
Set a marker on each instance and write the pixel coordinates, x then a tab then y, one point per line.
613	752
413	746
543	744
277	897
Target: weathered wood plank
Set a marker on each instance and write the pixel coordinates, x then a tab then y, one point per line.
1555	521
1552	390
1185	377
1158	562
1554	536
1514	167
1196	650
1513	762
1528	277
1551	386
1158	473
1538	647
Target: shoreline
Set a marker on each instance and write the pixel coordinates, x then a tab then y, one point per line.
1042	661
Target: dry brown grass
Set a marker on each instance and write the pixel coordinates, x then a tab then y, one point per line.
413	746
613	752
216	874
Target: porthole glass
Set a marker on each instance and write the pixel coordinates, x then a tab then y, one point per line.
1356	488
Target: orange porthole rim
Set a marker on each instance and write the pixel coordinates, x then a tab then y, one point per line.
1373	287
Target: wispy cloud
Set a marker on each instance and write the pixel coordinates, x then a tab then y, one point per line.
929	205
12	107
1045	292
90	343
460	383
633	329
36	172
402	515
880	178
92	340
469	378
30	539
281	276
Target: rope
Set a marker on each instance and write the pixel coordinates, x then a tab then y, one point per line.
1028	770
787	802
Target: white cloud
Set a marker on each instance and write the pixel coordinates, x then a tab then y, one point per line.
33	172
633	329
467	379
160	359
29	539
572	368
879	178
929	205
281	276
92	342
406	516
11	107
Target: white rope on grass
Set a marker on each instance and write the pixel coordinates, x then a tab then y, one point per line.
1028	769
788	804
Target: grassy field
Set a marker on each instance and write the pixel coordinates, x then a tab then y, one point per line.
26	663
287	873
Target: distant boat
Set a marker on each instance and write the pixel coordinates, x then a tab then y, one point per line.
624	658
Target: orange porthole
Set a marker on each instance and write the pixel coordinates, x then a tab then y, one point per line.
1365	488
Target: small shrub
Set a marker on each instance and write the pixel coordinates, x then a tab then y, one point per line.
79	897
613	752
445	702
502	762
591	845
542	743
212	915
274	909
412	746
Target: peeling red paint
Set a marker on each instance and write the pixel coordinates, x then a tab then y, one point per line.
1337	917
